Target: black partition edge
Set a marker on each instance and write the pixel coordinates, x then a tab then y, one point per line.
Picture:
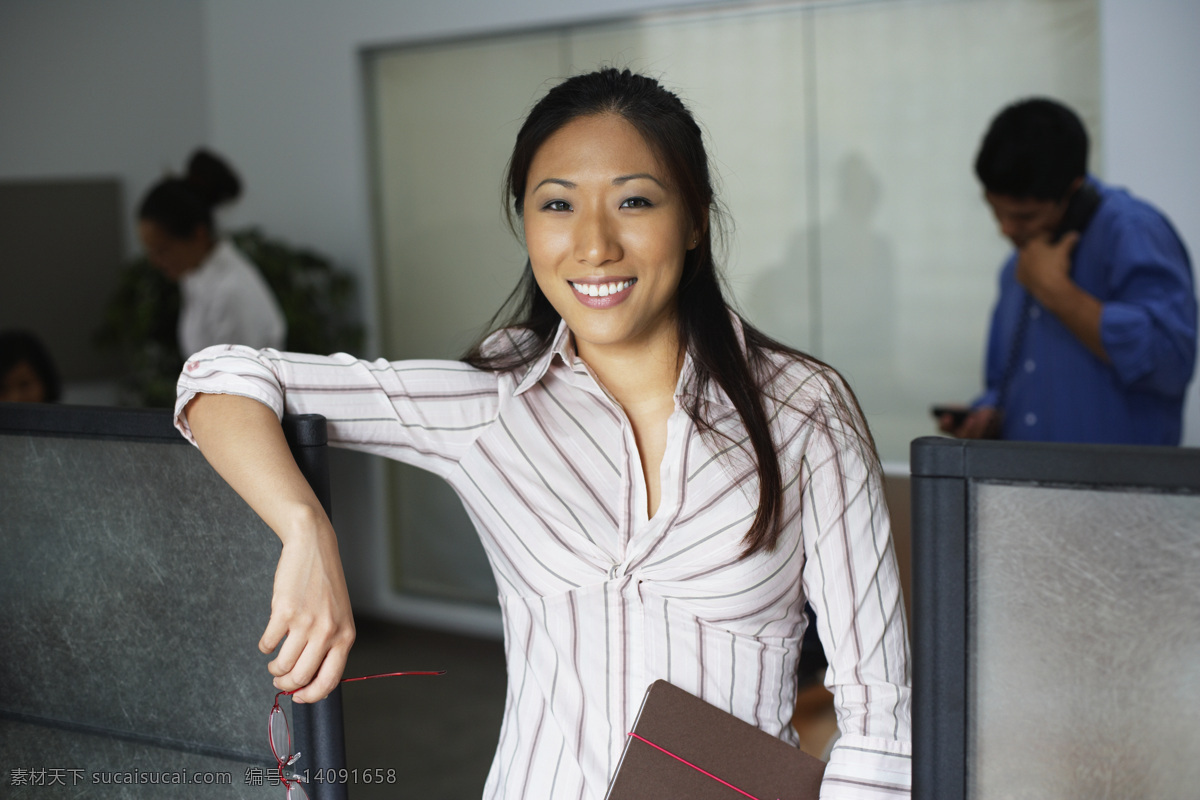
1163	468
98	422
939	634
942	470
104	422
318	727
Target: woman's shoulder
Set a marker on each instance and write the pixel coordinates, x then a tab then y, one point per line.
808	396
796	381
226	264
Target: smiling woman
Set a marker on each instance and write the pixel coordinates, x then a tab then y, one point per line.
660	488
606	239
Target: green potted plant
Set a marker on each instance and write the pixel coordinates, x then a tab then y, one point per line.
141	317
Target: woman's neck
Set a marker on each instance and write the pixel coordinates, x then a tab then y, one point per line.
637	376
202	251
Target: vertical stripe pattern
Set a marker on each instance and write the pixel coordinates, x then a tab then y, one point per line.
598	599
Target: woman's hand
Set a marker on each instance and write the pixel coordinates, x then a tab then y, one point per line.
310	606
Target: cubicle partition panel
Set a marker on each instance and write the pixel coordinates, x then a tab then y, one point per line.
1056	621
134	587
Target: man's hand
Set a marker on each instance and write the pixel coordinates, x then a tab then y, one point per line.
982	423
1044	268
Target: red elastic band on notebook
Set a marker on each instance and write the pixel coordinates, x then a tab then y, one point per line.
693	766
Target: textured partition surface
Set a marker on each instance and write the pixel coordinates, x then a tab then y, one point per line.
1085	660
136	616
87	765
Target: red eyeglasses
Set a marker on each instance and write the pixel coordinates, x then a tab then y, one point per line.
279	733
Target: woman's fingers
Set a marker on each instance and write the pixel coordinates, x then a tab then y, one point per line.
327	676
317	669
310	611
289	654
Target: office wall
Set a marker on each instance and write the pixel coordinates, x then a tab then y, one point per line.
287	96
101	90
1152	117
127	87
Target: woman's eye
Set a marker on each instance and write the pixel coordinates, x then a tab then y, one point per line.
557	205
636	202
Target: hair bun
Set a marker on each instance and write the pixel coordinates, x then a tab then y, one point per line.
212	178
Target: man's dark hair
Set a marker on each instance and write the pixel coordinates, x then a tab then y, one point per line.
1034	148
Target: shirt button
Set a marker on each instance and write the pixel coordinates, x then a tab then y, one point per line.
1030	366
1034	312
1031	419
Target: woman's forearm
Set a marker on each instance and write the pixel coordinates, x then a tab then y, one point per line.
243	441
310	605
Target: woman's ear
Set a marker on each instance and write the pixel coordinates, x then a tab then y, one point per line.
202	236
698	232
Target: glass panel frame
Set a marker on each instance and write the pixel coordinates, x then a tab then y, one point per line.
842	136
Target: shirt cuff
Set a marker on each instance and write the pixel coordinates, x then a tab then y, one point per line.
868	768
988	399
226	369
1125	333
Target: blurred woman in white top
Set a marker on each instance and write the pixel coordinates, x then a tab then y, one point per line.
225	299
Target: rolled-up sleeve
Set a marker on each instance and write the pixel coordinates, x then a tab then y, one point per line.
425	413
1148	325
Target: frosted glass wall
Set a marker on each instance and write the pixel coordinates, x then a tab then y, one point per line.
1085	664
842	135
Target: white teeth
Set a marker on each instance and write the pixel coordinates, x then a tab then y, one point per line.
602	289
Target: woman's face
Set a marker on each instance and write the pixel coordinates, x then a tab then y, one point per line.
607	235
22	384
172	256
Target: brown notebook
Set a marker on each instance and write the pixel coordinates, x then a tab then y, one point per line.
754	762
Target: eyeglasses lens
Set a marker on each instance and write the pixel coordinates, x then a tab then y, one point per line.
281	736
281	746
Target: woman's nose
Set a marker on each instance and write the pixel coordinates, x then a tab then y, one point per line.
596	242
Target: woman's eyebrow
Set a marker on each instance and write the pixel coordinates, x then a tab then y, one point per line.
618	181
560	181
626	178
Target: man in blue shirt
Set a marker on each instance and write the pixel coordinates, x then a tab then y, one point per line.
1093	338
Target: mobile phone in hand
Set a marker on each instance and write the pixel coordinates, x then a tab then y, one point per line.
958	414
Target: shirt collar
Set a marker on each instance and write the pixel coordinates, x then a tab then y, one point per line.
209	268
562	350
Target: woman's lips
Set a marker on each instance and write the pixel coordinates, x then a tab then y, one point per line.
602	294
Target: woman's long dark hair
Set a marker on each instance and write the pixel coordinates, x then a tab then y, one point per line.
705	327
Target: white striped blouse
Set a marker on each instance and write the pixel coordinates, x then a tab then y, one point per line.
598	599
